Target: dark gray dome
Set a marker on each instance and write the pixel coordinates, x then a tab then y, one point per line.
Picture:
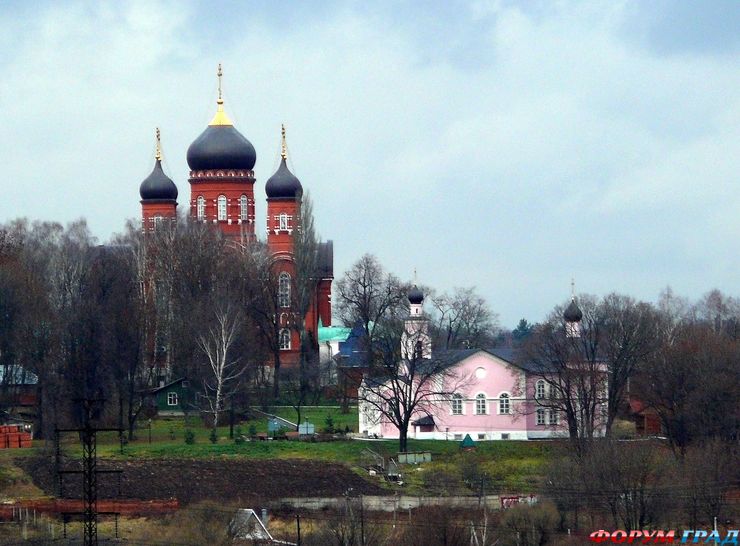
415	295
573	313
158	185
283	184
221	147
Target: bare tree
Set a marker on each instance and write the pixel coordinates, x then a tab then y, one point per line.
368	294
572	369
463	319
406	386
225	368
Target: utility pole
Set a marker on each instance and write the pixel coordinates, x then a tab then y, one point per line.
298	527
89	470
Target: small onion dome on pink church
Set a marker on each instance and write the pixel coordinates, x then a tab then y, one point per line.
415	295
283	184
573	313
158	186
221	146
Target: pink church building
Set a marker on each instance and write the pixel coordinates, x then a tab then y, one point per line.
494	398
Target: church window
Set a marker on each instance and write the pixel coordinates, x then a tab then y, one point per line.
243	208
457	404
540	416
284	289
284	339
539	390
480	404
504	404
201	207
222	207
283	218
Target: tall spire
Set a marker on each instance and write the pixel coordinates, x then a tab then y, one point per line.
158	153
220	118
573	288
284	144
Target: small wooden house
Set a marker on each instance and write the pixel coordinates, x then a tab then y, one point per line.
173	398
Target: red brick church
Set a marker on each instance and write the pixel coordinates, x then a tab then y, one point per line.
221	162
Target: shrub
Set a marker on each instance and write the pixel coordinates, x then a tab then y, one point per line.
252	430
238	436
213	437
329	424
189	437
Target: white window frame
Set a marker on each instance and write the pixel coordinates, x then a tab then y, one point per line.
200	207
540	416
539	389
553	418
244	208
221	208
457	404
172	398
504	399
283	222
285	339
481	403
284	289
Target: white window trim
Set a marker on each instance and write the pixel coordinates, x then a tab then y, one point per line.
461	398
170	396
285	347
537	394
221	200
498	403
243	208
200	208
284	297
485	401
553	417
541	417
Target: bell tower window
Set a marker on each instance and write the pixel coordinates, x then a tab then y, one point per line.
243	210
284	339
222	207
284	289
201	208
283	219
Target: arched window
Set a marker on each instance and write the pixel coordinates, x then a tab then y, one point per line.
539	389
540	416
284	290
222	207
480	404
243	208
201	207
457	404
284	339
283	219
504	404
553	391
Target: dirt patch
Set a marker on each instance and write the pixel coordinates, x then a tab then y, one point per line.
192	480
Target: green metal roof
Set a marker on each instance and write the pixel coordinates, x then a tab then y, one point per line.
333	333
467	442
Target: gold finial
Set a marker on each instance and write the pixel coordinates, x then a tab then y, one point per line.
284	145
220	118
158	153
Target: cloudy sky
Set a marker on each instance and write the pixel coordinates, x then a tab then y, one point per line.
504	145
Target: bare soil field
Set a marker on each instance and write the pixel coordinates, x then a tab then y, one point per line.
193	480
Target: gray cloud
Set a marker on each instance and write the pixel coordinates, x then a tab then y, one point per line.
494	144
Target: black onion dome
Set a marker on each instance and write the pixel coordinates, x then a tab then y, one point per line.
221	147
158	185
573	313
415	295
283	184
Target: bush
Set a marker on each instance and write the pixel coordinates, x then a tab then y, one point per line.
189	437
213	436
525	525
238	436
252	430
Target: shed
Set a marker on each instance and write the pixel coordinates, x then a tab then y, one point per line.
173	398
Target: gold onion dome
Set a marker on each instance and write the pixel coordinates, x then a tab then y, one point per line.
221	146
